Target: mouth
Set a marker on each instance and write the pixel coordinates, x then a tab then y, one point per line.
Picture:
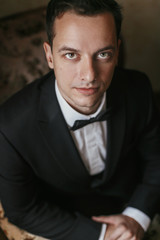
87	91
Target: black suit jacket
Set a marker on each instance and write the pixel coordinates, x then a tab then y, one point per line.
44	186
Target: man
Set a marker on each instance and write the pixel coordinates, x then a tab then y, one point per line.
57	177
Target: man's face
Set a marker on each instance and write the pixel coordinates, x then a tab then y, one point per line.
83	56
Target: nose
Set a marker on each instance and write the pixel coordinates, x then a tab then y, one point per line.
87	70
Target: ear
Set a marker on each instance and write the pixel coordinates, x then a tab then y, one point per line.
49	55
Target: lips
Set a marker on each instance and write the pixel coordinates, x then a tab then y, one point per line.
87	91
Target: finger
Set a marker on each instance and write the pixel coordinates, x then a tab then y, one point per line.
127	236
106	219
116	233
135	238
109	232
99	219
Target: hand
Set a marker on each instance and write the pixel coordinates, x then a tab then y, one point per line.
121	227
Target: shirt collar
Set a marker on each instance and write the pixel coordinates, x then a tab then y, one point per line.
70	114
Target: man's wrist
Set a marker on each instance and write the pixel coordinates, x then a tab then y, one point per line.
138	216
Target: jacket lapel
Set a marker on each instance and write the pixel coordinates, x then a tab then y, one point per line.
115	129
57	136
115	125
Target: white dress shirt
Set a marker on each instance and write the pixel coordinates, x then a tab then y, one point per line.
91	142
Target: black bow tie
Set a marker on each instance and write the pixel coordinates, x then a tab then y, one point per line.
100	117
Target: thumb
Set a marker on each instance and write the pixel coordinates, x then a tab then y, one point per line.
105	219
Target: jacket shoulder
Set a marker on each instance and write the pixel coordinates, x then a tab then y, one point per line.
130	77
18	106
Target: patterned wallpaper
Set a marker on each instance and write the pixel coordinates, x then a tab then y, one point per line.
21	51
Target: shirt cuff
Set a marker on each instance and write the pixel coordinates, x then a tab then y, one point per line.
139	216
103	231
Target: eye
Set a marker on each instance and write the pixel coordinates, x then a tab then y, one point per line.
104	55
70	55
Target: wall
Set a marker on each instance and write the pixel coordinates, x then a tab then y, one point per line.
141	34
10	7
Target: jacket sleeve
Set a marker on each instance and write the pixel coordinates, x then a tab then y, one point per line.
147	195
26	209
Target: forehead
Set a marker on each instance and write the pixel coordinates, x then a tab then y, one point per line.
71	27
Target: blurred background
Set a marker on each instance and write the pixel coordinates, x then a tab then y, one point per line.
22	32
141	39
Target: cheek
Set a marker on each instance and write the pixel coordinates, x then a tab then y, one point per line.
63	69
64	79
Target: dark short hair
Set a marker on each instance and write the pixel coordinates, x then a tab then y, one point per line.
82	7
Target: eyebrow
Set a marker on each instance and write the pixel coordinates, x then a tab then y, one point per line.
105	49
66	48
